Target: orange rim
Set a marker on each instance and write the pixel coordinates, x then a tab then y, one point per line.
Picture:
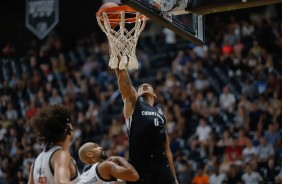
126	9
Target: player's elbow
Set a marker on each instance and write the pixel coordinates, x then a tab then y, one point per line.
134	176
131	175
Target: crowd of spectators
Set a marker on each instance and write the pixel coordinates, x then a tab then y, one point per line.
222	100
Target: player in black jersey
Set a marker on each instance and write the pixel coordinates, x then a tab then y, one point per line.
149	150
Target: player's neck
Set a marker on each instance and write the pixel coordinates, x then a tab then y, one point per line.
64	144
150	100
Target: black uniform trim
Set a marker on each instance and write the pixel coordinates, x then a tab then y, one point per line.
76	173
52	171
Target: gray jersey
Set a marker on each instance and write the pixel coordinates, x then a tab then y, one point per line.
42	171
92	176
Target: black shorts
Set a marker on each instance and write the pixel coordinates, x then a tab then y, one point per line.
153	173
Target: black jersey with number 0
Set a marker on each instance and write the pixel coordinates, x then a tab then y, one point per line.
146	131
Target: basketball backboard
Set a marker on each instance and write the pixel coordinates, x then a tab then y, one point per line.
186	17
173	15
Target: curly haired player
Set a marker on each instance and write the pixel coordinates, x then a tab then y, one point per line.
54	164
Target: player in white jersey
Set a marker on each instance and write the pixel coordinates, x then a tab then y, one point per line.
54	165
103	170
42	172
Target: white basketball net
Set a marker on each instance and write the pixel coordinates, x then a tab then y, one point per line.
122	41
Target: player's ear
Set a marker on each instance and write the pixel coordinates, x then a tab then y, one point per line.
89	154
68	129
155	96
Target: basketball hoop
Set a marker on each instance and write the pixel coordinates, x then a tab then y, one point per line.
122	40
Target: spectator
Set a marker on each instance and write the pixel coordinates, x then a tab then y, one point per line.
3	132
260	84
55	98
184	171
226	140
89	66
265	152
20	179
276	106
233	176
248	88
272	135
278	177
230	38
273	84
227	100
201	51
242	138
216	177
247	29
241	118
201	136
201	83
225	164
11	113
250	176
249	153
233	151
256	49
270	171
200	178
244	102
212	104
170	37
199	105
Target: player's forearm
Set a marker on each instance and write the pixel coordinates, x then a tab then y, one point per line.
123	75
124	83
131	172
122	162
170	157
170	160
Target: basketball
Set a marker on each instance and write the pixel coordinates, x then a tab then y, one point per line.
111	15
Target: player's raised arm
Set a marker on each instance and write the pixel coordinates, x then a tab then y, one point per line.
125	86
128	92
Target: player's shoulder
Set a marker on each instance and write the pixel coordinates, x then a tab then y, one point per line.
61	154
103	170
106	164
91	168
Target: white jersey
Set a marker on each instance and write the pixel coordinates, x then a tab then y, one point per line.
42	172
92	176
